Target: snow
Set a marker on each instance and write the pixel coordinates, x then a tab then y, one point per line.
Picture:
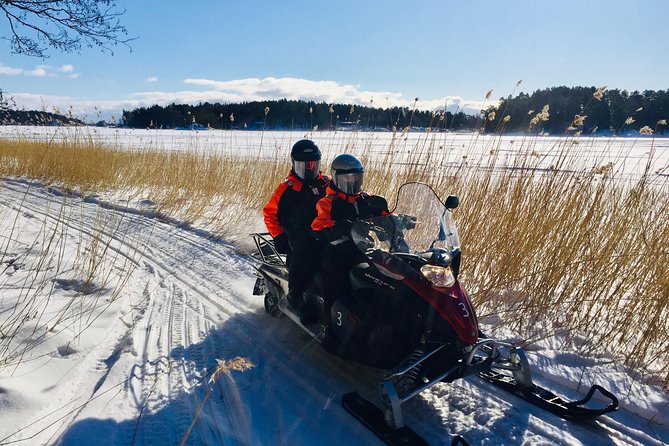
114	319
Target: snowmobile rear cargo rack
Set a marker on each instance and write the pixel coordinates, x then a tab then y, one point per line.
266	252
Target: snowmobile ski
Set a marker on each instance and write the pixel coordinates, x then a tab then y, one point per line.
372	417
459	441
546	399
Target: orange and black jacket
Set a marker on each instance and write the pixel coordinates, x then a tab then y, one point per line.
336	207
292	207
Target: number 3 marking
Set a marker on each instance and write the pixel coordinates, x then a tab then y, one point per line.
339	318
463	307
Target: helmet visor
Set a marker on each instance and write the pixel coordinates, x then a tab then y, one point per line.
306	170
349	183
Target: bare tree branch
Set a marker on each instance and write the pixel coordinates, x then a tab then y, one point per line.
36	26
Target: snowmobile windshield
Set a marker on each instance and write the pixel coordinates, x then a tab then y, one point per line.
419	222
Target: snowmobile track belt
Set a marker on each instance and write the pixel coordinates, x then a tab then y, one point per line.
372	417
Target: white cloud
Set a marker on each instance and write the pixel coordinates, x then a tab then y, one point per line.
74	75
254	89
37	72
251	89
49	71
86	109
152	79
10	71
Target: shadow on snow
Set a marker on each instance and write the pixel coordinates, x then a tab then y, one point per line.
292	396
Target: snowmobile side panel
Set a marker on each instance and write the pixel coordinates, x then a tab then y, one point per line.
452	304
359	330
372	417
272	282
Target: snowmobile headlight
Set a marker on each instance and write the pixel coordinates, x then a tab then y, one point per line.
438	276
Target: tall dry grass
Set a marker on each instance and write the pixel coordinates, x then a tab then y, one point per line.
187	186
578	256
570	253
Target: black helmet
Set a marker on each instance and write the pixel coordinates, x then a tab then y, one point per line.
347	174
306	157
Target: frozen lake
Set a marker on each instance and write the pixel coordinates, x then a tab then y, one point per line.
627	156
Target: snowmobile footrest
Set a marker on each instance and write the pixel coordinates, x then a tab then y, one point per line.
574	410
372	417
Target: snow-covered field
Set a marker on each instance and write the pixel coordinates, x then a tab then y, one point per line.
113	321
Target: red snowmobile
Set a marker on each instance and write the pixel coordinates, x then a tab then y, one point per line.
408	314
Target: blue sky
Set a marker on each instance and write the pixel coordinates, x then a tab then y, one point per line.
388	52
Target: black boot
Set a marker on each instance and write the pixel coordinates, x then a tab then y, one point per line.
311	314
296	302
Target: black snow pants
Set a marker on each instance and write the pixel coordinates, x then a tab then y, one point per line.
303	261
337	262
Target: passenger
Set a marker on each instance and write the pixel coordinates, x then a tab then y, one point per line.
288	216
344	203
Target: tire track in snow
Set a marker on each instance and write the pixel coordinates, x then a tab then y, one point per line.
159	342
193	280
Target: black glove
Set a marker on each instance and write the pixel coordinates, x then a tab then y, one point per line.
281	243
376	205
409	221
342	210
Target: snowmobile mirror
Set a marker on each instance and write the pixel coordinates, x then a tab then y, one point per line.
452	202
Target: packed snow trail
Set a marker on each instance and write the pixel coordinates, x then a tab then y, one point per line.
141	370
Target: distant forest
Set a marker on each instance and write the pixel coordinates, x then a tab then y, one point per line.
555	111
581	109
570	110
10	116
293	115
32	117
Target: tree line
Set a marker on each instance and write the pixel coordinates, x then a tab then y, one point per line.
555	111
294	115
567	110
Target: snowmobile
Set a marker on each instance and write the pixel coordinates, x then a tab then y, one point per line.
408	314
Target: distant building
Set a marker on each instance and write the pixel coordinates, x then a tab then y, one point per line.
193	126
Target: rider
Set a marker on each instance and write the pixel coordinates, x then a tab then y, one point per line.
343	203
288	216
